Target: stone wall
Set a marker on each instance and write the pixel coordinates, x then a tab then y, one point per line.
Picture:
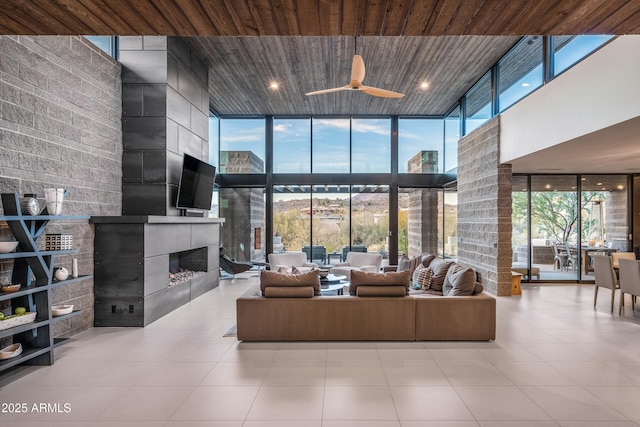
484	208
60	103
617	223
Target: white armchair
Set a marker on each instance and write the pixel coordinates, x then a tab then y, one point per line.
362	261
291	259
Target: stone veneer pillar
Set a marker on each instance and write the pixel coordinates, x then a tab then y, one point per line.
423	214
484	208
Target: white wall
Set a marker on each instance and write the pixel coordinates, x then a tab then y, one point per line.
599	92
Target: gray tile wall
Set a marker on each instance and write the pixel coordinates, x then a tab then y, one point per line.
60	109
165	114
484	208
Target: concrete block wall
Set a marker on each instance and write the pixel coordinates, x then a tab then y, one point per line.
165	114
60	108
484	208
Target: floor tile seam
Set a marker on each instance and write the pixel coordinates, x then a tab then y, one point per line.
605	403
521	391
259	389
578	386
548	364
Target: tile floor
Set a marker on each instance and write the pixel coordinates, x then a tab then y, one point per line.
556	362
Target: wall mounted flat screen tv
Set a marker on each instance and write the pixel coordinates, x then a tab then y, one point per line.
196	184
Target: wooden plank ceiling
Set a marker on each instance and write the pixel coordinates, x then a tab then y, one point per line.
242	68
247	44
319	17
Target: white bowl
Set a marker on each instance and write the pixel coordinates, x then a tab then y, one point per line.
59	310
6	247
11	351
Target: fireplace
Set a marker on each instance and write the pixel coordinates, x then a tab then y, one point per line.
187	265
134	256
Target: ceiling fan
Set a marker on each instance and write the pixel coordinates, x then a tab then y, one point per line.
357	75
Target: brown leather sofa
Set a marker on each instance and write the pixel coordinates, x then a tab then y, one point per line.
354	318
290	308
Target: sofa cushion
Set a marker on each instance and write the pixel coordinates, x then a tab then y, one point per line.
272	278
403	263
440	268
392	278
289	292
427	258
459	281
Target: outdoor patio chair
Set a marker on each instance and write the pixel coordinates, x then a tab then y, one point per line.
560	257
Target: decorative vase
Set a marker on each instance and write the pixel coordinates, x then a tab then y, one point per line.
62	273
54	198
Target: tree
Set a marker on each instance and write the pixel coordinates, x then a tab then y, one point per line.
554	214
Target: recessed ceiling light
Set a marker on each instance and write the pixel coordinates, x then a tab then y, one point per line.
604	188
599	183
525	84
274	86
424	85
620	187
547	186
584	179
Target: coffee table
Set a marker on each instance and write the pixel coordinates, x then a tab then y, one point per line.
333	282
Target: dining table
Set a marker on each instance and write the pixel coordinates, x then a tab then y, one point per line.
587	253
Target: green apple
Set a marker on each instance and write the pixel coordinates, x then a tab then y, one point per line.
1	315
20	310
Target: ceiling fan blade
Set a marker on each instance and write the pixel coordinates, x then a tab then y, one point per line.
357	69
381	92
335	89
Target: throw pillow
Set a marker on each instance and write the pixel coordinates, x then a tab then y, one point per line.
415	276
285	270
272	278
392	278
440	268
461	280
478	289
422	277
294	270
447	286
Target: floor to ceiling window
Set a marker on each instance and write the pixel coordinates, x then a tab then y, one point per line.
291	217
420	220
330	218
567	226
242	235
370	218
370	145
242	146
292	145
420	145
554	226
451	138
330	152
605	225
449	235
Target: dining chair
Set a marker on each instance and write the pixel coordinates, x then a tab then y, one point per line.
615	257
605	277
629	281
